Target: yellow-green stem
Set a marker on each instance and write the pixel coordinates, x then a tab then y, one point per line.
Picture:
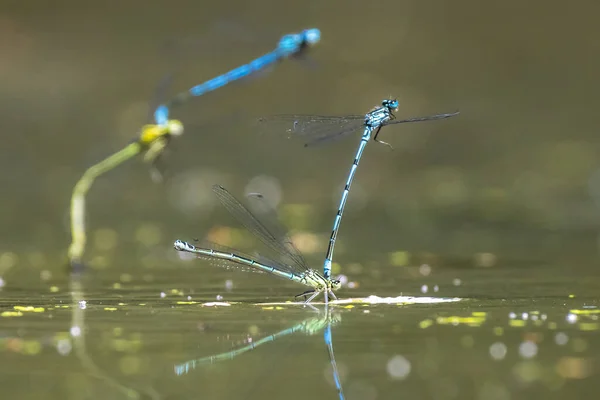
78	236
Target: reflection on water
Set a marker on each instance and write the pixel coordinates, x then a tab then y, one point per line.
107	341
310	326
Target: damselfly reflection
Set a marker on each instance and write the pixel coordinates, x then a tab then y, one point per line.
309	326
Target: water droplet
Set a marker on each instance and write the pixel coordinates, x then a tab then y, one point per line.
561	338
498	351
528	349
398	367
75	331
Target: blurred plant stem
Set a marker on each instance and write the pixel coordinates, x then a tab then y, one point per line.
153	140
78	335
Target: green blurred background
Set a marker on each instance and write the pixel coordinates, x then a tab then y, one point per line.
513	183
515	175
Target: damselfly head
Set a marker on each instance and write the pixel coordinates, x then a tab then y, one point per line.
292	44
390	104
335	284
311	36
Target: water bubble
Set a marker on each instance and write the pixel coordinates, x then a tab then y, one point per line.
498	351
63	347
424	289
579	345
398	367
425	270
82	304
561	338
571	318
190	192
456	282
75	331
228	285
45	275
528	349
436	288
219	297
485	260
105	238
8	260
467	340
512	315
148	234
267	186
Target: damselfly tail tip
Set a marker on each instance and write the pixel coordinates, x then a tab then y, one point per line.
448	115
180	245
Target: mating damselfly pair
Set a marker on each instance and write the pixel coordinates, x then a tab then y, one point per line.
292	265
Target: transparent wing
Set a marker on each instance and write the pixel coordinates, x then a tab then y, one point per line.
313	129
420	119
268	216
290	260
328	137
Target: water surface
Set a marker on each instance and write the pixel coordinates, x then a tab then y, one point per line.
81	338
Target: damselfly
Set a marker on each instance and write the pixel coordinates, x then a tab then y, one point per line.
319	129
292	265
289	45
